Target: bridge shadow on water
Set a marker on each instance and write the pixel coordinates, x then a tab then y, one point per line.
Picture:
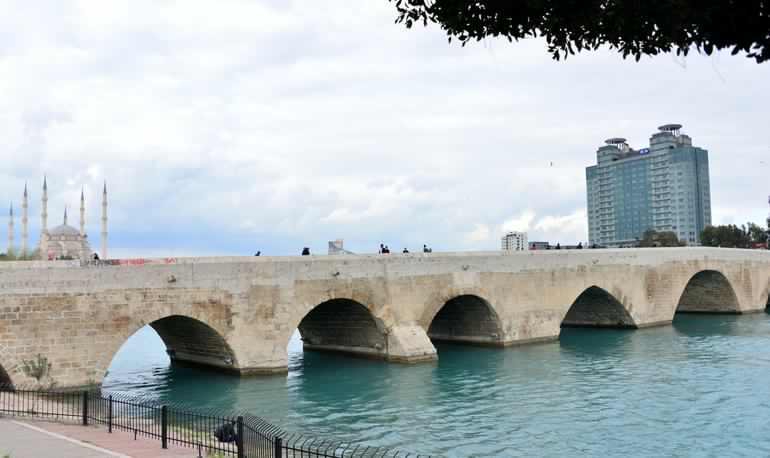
707	325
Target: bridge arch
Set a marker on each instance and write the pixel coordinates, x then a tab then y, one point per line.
595	307
343	325
192	341
466	318
708	291
5	379
189	340
6	366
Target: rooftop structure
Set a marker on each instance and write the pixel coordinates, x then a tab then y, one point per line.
337	247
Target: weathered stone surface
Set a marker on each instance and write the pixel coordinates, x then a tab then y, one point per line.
238	313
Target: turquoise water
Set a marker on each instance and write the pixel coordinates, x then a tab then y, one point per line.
698	388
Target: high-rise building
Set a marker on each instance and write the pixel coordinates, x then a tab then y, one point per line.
514	241
664	187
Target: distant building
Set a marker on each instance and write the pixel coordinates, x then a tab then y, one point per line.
336	247
534	246
63	241
514	241
539	246
664	187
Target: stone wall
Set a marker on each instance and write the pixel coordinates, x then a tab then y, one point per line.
79	333
238	313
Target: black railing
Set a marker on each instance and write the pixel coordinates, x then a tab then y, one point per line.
207	431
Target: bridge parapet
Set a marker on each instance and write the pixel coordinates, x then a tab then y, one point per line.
238	313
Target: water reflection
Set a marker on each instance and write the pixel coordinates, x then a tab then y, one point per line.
707	325
695	388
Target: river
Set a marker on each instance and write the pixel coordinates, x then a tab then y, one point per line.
697	388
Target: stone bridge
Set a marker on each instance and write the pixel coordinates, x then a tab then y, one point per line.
237	314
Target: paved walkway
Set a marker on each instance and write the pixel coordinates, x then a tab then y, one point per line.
28	439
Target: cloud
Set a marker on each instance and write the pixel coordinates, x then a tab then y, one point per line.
572	227
521	223
290	123
480	233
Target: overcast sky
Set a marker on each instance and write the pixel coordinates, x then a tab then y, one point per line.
229	127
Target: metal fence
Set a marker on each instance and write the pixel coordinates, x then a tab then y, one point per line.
207	431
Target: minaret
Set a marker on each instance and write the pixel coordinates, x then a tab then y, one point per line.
44	215
82	214
44	222
24	222
65	215
10	231
104	222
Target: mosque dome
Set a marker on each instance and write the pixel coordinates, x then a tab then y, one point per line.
64	230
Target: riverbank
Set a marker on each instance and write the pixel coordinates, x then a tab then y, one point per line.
35	439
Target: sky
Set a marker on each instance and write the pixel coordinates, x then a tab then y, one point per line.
223	128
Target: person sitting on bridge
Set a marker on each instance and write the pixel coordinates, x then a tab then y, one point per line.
425	249
406	251
306	251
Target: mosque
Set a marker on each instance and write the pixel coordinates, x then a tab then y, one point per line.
61	242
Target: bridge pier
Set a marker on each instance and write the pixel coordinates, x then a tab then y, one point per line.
410	344
403	344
